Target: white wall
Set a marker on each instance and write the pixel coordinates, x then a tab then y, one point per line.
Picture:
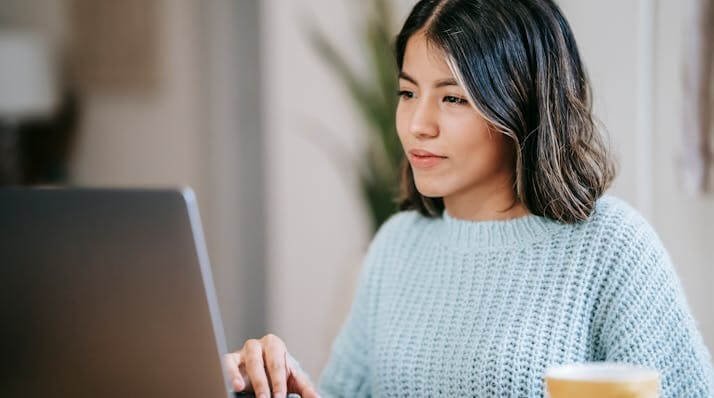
685	224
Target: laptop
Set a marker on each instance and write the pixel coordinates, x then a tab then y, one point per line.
107	293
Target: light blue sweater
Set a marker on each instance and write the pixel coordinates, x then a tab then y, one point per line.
450	307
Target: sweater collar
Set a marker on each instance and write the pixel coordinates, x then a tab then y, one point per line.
496	233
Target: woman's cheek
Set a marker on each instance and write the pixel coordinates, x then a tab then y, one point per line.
402	127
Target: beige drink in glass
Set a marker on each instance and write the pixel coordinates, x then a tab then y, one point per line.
602	380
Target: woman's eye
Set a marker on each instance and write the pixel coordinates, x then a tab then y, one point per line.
405	94
455	100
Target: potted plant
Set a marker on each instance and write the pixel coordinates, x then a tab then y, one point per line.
375	97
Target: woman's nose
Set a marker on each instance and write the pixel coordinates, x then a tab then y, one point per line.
423	122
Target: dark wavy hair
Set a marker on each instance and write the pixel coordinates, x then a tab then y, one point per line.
519	65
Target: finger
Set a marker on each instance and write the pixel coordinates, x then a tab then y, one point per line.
230	364
298	382
274	356
253	358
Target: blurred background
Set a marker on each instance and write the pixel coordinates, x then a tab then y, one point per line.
278	113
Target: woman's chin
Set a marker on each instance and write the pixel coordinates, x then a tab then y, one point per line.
429	191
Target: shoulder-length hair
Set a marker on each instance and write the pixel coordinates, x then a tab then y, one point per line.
519	65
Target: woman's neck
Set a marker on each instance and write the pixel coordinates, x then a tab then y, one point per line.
485	205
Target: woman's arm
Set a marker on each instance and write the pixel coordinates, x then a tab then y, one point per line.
347	373
648	322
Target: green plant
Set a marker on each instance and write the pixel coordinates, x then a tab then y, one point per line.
376	100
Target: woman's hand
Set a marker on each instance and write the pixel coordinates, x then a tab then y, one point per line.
262	366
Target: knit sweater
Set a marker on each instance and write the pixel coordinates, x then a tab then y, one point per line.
453	307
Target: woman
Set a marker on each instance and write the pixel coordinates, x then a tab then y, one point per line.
507	257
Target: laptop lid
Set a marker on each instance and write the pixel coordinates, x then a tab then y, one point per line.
106	293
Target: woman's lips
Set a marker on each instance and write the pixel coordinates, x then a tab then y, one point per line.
425	162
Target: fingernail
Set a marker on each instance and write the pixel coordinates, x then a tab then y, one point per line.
278	395
263	395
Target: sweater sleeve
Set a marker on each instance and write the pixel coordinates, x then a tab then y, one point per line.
347	373
649	322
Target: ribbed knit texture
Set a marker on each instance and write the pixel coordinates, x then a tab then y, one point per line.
450	307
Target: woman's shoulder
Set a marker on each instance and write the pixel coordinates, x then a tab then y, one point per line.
624	227
398	228
612	208
616	213
398	223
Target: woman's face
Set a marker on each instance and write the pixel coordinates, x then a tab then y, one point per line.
433	115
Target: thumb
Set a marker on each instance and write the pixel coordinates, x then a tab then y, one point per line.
298	380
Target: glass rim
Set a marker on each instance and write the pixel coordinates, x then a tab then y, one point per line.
601	372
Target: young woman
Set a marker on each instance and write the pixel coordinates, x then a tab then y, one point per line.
507	256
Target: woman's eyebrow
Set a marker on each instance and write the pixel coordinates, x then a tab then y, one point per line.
439	83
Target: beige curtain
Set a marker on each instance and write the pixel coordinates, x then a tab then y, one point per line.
697	112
